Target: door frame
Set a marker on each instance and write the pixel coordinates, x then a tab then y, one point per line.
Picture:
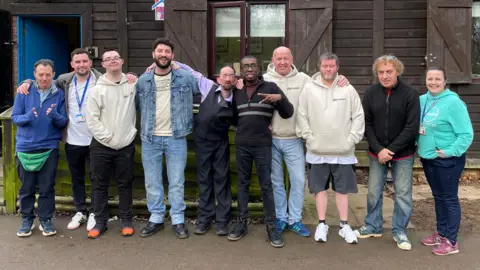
21	42
84	11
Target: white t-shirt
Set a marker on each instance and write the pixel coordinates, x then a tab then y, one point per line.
163	124
78	132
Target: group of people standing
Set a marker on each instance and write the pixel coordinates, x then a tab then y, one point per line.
274	115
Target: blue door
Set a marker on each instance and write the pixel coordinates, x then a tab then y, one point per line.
41	39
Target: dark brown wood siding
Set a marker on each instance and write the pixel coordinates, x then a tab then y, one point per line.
406	37
142	31
353	41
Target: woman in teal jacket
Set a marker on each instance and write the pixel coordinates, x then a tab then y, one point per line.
445	135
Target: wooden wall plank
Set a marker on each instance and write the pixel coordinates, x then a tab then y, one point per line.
351	24
378	27
406	24
353	5
122	32
352	33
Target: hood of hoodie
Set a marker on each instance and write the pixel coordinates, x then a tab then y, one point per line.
104	81
444	94
272	72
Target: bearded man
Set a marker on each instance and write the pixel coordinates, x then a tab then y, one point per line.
164	100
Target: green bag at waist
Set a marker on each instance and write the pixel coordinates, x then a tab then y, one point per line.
33	162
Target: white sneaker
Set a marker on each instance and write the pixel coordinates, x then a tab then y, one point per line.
91	222
77	220
347	233
321	233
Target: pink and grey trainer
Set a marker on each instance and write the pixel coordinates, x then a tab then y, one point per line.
445	248
433	240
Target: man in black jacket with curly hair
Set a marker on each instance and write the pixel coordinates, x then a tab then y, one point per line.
255	104
392	117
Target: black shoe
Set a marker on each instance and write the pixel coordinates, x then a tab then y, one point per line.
151	229
202	227
181	231
222	229
238	231
275	238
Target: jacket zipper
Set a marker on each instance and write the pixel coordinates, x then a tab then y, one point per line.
387	101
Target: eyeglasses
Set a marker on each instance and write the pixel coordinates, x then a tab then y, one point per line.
111	59
252	66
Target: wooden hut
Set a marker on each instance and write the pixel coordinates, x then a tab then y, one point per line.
209	33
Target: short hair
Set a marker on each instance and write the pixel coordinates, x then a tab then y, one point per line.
329	56
44	62
163	41
385	59
80	51
228	65
439	69
248	57
110	50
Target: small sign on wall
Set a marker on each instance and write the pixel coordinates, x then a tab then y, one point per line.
159	8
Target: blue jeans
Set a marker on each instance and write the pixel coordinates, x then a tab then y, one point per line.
443	176
292	151
402	210
175	150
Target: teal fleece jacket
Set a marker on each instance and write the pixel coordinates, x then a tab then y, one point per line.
447	125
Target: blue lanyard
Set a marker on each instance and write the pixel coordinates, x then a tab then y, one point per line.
425	107
80	102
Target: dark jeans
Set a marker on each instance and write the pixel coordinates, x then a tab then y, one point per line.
262	156
213	161
105	160
45	179
443	176
77	157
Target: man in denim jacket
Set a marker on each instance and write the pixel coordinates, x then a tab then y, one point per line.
165	101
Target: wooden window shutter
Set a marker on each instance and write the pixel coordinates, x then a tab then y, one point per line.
310	32
186	27
449	44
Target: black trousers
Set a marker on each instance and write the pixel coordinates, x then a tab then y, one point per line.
77	158
262	155
45	180
105	160
213	177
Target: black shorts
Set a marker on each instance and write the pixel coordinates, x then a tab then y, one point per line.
343	178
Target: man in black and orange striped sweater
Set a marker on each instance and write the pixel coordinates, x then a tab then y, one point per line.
255	104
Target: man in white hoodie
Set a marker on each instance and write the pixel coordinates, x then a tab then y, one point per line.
331	120
111	117
286	145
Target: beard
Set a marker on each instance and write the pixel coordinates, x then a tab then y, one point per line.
157	62
83	73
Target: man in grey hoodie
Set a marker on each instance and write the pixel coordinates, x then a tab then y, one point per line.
111	117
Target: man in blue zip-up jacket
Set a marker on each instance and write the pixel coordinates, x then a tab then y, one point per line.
40	118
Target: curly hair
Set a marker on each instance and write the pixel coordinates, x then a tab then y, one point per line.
385	59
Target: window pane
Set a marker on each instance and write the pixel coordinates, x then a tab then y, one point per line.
267	21
476	39
227	36
267	32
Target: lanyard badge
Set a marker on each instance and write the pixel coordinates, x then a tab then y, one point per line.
423	130
80	117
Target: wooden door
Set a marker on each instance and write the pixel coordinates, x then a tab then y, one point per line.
186	27
449	32
310	32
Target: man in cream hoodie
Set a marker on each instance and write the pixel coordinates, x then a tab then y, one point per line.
286	145
330	118
111	117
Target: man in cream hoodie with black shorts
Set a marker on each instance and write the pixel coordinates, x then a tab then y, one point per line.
111	117
287	146
331	120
